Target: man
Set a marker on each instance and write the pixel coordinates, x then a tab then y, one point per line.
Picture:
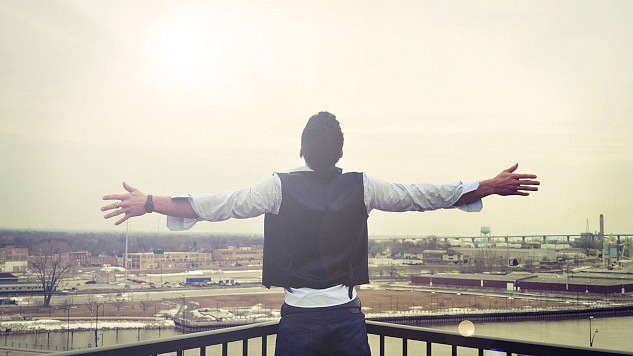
315	232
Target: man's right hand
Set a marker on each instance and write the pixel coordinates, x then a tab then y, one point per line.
505	183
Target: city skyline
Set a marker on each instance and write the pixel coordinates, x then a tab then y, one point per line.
202	97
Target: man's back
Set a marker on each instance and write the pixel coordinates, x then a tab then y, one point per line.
318	239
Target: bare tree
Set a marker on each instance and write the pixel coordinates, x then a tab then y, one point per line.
118	304
65	304
92	305
587	243
145	305
50	270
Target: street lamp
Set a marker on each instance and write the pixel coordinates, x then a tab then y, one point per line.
96	326
591	336
67	327
107	278
184	315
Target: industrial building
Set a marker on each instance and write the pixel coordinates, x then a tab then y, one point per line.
579	283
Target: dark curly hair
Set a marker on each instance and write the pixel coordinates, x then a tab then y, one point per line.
322	141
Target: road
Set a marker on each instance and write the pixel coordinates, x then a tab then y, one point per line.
101	295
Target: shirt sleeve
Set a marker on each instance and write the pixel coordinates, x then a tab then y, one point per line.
472	207
395	197
262	198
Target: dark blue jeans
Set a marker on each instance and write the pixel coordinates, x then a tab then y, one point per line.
336	330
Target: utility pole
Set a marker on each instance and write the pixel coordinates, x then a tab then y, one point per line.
127	230
184	313
96	323
67	327
592	335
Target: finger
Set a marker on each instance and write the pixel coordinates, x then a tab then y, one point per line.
524	176
110	207
122	219
114	197
128	187
530	182
113	213
513	168
530	188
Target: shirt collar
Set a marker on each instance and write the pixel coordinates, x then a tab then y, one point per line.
329	172
300	169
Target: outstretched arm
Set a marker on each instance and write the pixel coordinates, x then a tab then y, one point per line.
505	183
132	204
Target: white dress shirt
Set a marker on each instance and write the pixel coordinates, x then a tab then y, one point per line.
265	198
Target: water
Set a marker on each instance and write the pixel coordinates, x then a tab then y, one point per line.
59	340
614	333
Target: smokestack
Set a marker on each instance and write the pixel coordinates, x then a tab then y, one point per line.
604	257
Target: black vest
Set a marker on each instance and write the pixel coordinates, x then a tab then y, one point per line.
319	238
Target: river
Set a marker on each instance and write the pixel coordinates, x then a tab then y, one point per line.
613	333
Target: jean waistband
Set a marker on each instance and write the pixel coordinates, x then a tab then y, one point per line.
289	309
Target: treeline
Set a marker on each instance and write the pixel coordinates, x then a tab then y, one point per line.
397	247
113	244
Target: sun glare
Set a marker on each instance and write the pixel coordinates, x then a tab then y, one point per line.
186	50
184	47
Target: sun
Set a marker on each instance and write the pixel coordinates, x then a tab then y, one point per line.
184	47
186	50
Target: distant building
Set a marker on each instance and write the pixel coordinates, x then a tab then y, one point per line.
454	257
13	259
413	255
160	259
8	278
437	257
549	264
530	245
430	257
99	261
234	254
104	276
75	258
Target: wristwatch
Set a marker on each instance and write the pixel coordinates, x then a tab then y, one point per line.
149	204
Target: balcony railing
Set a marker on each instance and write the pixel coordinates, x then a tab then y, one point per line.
456	342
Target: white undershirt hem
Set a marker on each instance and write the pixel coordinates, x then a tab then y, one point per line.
317	298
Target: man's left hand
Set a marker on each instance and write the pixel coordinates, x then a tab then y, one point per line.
131	204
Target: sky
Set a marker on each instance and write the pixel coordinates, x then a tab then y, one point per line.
205	96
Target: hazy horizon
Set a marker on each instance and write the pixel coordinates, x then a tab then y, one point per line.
195	97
